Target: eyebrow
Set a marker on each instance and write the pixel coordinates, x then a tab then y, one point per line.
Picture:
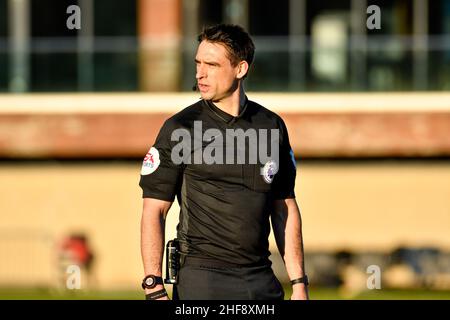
211	63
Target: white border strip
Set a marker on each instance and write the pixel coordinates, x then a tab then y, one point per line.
174	102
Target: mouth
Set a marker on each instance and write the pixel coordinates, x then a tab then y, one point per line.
202	87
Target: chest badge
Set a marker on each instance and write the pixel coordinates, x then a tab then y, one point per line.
269	170
151	162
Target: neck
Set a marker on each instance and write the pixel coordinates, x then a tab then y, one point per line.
233	103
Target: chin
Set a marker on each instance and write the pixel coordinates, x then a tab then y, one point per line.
206	96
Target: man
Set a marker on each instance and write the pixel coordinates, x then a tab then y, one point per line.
225	202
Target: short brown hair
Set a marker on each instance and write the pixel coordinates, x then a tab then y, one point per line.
237	41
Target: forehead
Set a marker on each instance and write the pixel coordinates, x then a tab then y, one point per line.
212	51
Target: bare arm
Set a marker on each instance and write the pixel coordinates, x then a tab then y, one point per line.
152	237
287	228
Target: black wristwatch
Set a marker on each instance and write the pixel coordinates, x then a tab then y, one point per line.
151	281
303	279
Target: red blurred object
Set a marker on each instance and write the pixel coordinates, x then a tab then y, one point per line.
76	248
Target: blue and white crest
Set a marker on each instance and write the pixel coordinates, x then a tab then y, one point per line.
269	170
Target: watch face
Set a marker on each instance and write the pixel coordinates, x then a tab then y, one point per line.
150	281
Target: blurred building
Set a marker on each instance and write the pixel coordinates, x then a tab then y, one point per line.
149	45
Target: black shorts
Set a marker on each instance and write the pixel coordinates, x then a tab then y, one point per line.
206	281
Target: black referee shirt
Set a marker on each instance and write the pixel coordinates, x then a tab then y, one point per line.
225	207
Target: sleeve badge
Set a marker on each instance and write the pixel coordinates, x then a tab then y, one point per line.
151	162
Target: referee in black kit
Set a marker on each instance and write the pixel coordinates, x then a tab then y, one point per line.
205	156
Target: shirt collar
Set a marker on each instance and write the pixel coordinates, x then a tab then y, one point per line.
224	116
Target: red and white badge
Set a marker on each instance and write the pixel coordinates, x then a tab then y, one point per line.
151	162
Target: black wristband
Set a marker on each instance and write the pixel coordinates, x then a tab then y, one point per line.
156	295
300	280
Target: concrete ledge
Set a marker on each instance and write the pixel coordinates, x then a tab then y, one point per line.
68	103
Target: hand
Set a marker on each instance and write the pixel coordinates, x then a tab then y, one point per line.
300	292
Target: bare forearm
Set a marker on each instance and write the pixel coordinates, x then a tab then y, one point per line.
287	227
293	251
152	237
152	242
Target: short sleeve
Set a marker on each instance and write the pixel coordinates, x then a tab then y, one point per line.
160	177
284	181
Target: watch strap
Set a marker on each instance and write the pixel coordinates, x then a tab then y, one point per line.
159	280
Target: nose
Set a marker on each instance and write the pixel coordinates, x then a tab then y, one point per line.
201	71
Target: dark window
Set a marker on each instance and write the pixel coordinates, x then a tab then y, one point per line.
115	68
396	17
61	67
3	18
269	18
271	68
116	71
53	60
54	72
3	46
210	12
115	18
390	56
49	18
439	54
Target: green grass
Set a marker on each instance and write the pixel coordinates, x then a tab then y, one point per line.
382	294
315	294
50	294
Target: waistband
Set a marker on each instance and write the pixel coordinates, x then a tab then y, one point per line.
218	264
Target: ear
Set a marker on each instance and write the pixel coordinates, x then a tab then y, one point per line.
242	69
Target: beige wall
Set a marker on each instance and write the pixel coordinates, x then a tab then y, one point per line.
371	206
